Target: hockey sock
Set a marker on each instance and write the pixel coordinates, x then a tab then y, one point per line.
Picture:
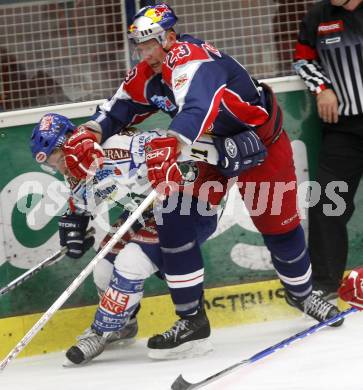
290	257
181	257
120	300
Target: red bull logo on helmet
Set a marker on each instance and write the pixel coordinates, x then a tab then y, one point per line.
156	13
153	15
132	28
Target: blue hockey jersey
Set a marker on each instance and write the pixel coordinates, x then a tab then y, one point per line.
202	90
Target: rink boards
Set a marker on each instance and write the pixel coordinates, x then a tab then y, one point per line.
226	306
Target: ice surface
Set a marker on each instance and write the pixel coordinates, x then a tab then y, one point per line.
331	359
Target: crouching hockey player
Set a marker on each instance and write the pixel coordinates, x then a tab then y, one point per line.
120	276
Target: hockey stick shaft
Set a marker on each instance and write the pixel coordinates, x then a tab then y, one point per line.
181	384
79	279
51	260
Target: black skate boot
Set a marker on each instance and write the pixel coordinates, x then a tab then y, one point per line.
91	344
315	307
188	337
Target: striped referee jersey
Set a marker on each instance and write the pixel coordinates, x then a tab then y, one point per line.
329	54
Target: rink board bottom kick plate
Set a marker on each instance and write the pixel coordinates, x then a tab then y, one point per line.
226	306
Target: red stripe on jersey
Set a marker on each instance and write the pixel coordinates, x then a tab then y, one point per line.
244	111
304	52
136	81
213	110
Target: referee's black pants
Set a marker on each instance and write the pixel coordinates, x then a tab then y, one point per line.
341	159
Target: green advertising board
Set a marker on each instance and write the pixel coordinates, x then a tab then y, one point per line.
30	200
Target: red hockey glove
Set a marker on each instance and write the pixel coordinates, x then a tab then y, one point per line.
351	289
83	155
162	168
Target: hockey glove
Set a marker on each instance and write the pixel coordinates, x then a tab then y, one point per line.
351	289
83	155
162	169
239	152
72	234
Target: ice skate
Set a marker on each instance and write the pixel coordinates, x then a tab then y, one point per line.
315	306
91	344
188	337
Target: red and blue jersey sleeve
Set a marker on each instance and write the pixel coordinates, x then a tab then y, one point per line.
198	84
129	105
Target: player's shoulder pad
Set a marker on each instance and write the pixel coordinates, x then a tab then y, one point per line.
136	80
183	53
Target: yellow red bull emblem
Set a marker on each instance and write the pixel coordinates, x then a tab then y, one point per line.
156	14
153	15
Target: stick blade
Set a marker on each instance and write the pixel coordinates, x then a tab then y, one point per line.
181	384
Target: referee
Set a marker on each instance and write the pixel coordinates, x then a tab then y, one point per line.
329	58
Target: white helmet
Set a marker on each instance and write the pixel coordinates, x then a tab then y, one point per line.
152	22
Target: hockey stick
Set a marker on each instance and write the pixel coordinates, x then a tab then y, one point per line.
181	384
51	260
79	279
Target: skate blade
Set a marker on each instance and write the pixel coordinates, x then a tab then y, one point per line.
187	350
69	364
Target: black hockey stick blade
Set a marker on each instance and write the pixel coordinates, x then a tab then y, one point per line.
181	384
